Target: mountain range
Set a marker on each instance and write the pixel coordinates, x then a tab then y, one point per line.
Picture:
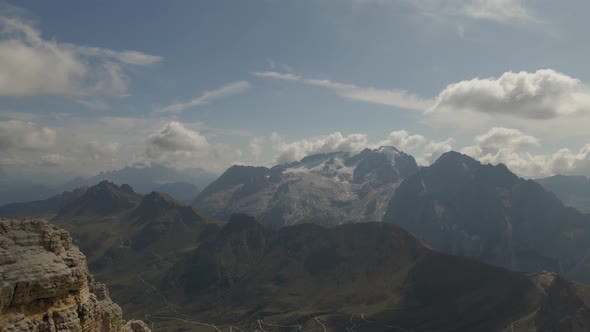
147	178
304	259
328	189
199	275
182	184
461	207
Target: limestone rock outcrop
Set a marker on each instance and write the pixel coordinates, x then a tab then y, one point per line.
45	284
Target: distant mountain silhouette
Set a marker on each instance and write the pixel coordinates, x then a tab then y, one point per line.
41	208
145	179
574	191
184	192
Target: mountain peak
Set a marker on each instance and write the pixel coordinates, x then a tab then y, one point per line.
160	218
388	149
323	188
105	198
455	158
157	206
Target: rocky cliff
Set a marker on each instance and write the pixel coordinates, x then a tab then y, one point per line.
45	284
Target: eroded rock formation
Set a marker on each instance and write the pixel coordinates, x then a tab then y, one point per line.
45	284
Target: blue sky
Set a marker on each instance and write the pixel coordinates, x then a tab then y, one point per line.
93	86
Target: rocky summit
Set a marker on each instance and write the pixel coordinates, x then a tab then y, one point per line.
328	188
46	286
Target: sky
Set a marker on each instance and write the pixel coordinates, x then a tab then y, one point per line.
95	86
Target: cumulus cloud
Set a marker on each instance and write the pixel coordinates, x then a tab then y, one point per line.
543	94
394	97
31	65
435	149
174	137
499	138
402	140
512	148
292	151
52	160
180	145
426	151
208	96
22	135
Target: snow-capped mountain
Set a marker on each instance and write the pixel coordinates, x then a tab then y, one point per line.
329	189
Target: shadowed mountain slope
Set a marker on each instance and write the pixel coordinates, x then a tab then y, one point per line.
366	277
462	207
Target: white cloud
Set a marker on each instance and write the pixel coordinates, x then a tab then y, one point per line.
402	140
110	80
435	149
178	146
31	65
505	145
502	11
426	151
174	137
543	94
395	97
98	150
496	10
52	160
127	57
22	135
293	151
208	96
504	138
255	147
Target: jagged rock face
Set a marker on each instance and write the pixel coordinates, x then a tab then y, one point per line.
462	207
46	285
328	189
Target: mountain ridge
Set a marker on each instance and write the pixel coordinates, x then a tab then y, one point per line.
463	207
328	188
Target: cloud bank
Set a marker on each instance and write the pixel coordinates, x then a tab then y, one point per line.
31	65
544	94
21	135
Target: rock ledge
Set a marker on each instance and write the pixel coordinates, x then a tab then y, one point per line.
45	284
